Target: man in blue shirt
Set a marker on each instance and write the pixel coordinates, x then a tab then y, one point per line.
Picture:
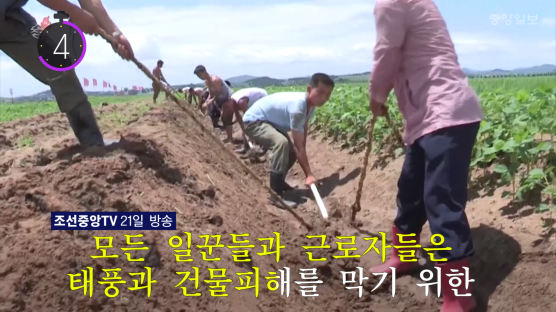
270	119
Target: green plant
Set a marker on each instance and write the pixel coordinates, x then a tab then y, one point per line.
515	141
25	142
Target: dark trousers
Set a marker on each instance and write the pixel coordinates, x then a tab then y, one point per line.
156	91
433	187
18	39
214	114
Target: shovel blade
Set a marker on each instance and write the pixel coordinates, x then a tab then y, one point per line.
320	203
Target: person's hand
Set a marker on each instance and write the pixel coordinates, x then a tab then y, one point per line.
377	108
205	107
122	46
310	180
85	21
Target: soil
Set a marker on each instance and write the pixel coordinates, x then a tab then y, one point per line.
164	161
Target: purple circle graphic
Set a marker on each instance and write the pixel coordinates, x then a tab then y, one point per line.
80	58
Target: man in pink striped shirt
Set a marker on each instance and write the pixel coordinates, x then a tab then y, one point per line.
415	56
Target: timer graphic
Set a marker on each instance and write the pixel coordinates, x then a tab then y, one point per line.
61	45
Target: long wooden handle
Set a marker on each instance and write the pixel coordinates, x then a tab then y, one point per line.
357	204
142	67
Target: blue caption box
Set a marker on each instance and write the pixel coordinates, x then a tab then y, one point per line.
62	220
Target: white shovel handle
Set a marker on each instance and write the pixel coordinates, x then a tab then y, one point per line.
319	201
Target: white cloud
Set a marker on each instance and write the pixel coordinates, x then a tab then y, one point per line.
467	43
272	38
363	46
488	51
550	22
244	54
7	64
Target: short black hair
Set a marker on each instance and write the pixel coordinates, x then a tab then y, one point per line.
160	62
228	83
319	78
199	69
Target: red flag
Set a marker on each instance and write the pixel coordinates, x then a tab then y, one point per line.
85	82
104	84
45	22
94	82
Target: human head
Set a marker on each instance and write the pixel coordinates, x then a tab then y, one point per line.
201	72
242	104
319	89
159	63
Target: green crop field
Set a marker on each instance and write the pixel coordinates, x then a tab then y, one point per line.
515	144
9	112
513	83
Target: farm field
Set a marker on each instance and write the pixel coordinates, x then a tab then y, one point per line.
9	112
165	162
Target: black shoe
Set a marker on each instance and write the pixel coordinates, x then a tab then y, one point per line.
280	203
241	150
294	197
286	187
83	122
277	183
216	125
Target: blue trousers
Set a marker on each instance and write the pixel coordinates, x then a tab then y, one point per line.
433	187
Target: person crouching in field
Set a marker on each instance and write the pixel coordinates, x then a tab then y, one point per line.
270	119
442	115
241	101
220	94
193	95
19	35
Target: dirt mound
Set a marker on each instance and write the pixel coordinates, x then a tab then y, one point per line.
164	162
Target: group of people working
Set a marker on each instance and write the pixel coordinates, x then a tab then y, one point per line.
414	55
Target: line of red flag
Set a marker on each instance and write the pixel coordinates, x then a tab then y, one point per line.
46	22
106	84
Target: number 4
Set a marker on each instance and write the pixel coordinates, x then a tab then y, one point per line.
65	53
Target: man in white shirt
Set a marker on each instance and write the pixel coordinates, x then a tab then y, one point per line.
241	101
193	95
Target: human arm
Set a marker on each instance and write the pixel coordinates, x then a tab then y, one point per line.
391	32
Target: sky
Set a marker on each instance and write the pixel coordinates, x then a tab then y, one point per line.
288	38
